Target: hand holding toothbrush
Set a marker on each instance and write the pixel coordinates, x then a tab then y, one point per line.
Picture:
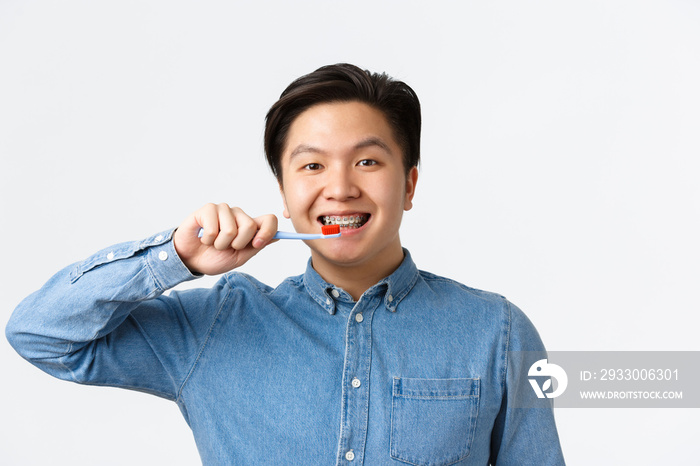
230	237
217	238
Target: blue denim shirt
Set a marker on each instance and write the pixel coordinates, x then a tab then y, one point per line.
415	372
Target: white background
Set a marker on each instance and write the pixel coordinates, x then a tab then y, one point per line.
560	164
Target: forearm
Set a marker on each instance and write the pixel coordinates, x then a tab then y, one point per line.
88	300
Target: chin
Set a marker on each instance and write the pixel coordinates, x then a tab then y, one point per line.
341	255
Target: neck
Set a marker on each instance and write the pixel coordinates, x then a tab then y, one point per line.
357	278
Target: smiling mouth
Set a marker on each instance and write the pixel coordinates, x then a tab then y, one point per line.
345	221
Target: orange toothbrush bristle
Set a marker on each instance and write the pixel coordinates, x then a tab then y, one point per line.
330	229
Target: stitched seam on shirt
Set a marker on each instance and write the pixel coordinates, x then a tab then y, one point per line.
437	397
343	399
247	278
204	344
507	345
154	276
483	294
367	379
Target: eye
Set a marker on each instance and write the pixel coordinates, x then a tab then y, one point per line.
367	163
312	166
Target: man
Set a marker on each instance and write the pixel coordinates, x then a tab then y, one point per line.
363	359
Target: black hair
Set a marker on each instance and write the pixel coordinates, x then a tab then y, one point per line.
346	83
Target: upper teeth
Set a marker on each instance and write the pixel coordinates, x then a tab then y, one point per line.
347	221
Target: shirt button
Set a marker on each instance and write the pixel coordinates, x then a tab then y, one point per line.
350	455
335	293
390	298
163	255
359	318
356	382
328	300
110	256
159	237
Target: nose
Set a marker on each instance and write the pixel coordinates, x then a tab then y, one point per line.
341	185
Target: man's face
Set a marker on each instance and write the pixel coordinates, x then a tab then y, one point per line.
341	164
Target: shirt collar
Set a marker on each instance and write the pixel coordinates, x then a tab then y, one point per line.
394	288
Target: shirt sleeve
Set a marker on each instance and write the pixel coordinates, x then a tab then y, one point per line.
105	320
525	431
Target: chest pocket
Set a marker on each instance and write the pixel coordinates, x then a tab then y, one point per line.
433	420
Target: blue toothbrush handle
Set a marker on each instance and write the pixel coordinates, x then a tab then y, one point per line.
290	235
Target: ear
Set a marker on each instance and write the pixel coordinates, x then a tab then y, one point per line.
285	212
411	180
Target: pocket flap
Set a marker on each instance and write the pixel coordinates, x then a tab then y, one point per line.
435	388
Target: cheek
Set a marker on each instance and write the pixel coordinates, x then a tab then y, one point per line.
298	199
395	198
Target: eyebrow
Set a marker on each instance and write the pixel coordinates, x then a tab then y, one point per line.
303	148
373	141
368	142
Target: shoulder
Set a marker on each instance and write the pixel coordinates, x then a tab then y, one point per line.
244	282
486	306
451	289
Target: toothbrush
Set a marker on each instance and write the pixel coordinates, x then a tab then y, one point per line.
327	231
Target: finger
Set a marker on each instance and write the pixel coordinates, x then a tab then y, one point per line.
247	229
207	217
267	227
228	227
